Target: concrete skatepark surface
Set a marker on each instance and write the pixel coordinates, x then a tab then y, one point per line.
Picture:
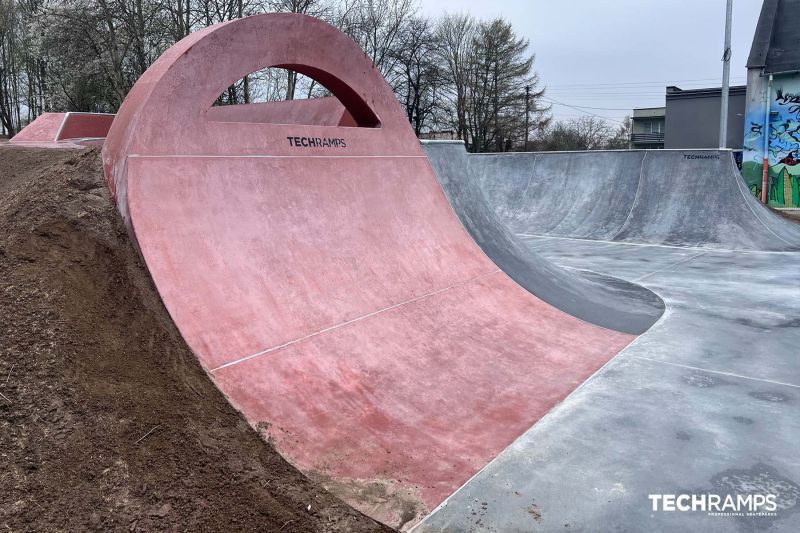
523	342
328	287
704	402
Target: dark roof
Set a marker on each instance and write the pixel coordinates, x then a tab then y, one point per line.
776	43
676	92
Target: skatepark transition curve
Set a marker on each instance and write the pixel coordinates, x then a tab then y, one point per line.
602	300
323	280
687	198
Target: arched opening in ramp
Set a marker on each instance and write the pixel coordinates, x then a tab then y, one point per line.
299	95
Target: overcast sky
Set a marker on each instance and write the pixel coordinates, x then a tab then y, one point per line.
620	54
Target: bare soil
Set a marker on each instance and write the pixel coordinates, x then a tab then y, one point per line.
107	421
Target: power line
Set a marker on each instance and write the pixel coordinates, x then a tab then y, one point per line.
569	115
581	110
597	95
593	94
600	108
612	91
607	89
623	83
575	93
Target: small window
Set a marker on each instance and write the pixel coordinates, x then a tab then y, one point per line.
656	126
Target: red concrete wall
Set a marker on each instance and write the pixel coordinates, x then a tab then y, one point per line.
85	125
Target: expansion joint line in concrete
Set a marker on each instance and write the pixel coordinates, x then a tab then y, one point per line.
353	320
720	372
676	263
524	194
635	198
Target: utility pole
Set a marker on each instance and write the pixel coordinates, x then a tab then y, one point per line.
765	129
726	73
527	113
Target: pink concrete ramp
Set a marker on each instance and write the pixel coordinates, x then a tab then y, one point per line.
323	280
50	128
44	128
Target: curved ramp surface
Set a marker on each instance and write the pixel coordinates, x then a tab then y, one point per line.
586	195
595	298
692	198
322	279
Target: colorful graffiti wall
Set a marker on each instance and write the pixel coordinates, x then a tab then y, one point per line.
783	184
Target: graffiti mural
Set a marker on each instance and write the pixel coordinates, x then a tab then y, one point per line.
783	182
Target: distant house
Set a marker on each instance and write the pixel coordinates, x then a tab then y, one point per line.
647	127
689	120
772	114
692	117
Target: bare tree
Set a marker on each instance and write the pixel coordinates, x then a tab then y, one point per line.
315	8
621	138
85	55
454	35
418	72
8	41
376	26
583	133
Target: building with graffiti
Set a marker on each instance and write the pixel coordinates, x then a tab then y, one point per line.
771	157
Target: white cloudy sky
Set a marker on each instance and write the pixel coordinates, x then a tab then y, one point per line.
620	54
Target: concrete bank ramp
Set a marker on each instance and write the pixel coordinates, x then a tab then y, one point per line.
595	298
50	129
322	279
690	198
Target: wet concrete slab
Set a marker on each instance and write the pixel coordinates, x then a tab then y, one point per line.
706	401
619	260
749	299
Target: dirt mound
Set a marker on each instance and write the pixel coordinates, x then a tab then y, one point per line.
107	422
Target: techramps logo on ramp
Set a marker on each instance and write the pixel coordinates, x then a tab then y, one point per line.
313	142
701	156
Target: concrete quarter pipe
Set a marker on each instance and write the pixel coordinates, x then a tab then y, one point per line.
601	300
322	279
674	197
